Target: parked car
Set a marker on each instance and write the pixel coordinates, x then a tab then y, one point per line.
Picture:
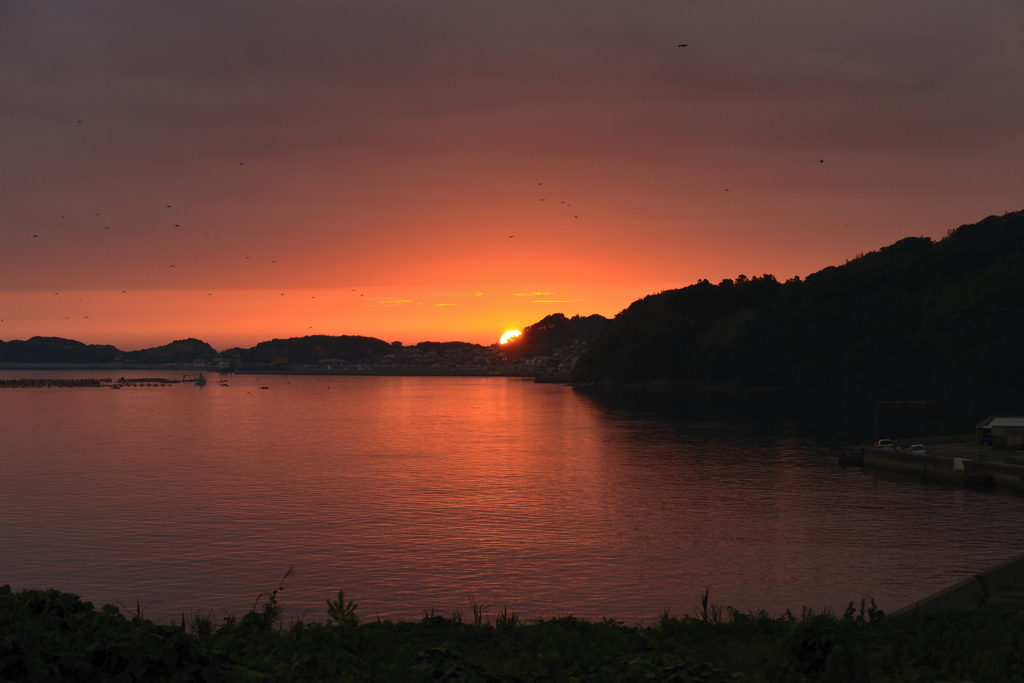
884	444
918	449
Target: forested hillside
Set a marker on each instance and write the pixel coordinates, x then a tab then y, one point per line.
55	350
180	351
312	349
915	318
554	333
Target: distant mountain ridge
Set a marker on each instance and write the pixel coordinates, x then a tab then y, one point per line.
915	318
55	350
312	349
539	339
297	350
180	351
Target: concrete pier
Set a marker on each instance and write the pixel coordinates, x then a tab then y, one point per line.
998	588
949	462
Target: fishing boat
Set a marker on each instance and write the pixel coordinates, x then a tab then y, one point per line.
200	381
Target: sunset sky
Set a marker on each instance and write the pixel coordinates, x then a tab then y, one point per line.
343	167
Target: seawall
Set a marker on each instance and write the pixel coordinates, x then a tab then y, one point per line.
996	588
952	465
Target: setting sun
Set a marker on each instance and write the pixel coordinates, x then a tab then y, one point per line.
509	336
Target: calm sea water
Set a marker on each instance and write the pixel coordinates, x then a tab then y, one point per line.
414	494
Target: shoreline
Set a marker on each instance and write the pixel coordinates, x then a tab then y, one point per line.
538	378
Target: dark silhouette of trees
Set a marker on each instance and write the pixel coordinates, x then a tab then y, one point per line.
915	318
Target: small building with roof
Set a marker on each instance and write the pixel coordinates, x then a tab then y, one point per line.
1002	432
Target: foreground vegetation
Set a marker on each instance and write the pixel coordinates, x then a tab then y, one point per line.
49	635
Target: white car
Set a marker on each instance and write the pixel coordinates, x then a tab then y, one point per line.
918	449
884	444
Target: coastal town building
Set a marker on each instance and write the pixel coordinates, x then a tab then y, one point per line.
1002	432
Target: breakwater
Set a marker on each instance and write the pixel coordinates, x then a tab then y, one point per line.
1001	587
955	460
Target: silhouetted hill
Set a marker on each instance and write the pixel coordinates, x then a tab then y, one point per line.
441	347
555	333
312	349
180	351
914	318
55	350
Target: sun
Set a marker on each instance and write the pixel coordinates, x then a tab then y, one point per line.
509	336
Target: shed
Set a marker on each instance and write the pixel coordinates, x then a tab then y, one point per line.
1007	433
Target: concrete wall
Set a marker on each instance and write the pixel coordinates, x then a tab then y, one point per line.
935	467
935	440
1007	438
973	592
1002	473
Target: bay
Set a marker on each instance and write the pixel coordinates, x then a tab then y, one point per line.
416	494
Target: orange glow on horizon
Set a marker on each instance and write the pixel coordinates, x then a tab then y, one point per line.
453	179
226	318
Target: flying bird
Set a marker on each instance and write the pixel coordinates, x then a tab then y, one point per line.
123	292
684	45
35	235
540	183
821	161
97	214
168	206
575	216
241	163
511	236
177	225
282	293
172	265
246	257
542	200
106	227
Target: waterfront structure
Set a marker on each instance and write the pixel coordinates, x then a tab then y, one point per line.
1002	432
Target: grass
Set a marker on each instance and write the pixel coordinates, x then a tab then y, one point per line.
50	635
